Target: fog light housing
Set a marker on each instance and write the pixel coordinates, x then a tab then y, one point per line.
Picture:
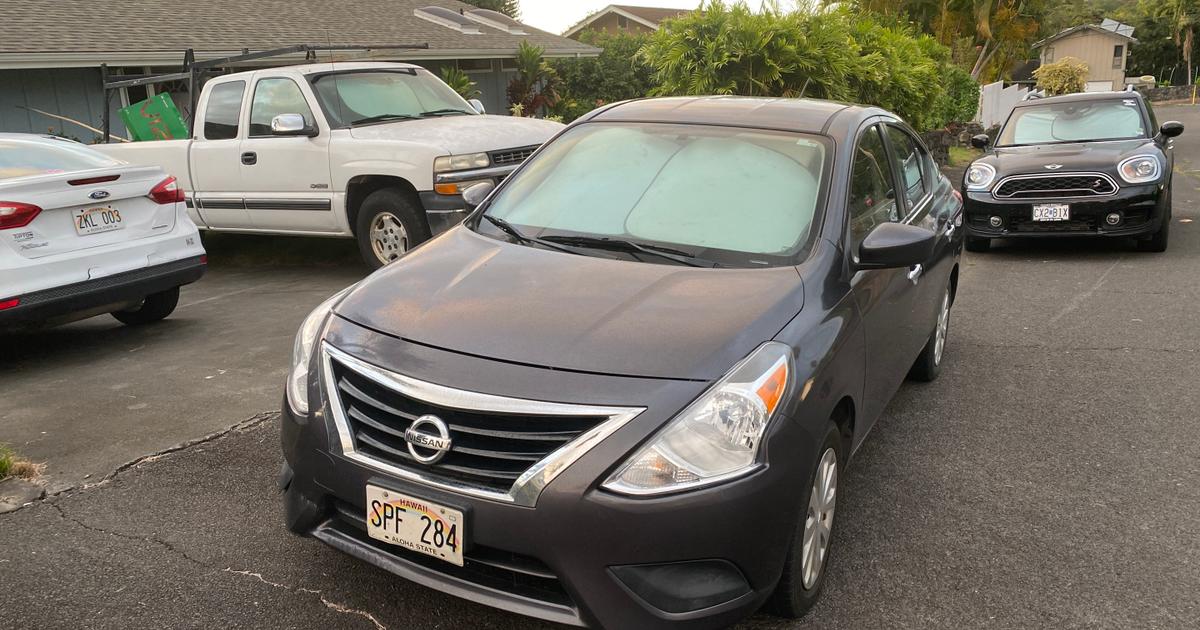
996	222
683	587
1113	218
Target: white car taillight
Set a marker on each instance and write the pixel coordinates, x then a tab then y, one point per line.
14	214
167	191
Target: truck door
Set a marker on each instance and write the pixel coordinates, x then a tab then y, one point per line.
215	161
286	178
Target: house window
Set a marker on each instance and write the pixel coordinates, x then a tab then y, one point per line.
1049	55
1118	57
622	22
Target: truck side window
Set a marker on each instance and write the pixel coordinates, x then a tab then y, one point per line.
223	111
273	97
872	191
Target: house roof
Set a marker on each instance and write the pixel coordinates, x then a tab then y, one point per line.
41	33
646	16
1111	28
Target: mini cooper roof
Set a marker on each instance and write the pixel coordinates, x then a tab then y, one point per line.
787	114
1081	97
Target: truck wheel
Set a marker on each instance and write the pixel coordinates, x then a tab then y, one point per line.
389	223
154	308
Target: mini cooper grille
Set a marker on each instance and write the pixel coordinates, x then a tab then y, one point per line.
1074	225
1051	186
509	157
488	450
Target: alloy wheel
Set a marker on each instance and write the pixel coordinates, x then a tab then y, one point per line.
818	525
943	329
389	239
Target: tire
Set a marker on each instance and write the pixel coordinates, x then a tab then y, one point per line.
1157	243
976	244
794	595
154	308
929	362
389	223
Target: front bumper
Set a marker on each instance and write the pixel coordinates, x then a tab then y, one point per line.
447	211
582	556
102	294
1141	209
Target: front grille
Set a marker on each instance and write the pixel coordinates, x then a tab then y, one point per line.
1056	186
520	575
489	450
509	157
1024	224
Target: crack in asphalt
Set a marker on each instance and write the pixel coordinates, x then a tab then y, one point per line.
1015	346
109	532
308	591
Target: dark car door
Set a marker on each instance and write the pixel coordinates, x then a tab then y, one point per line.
885	297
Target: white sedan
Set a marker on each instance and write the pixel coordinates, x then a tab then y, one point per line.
82	234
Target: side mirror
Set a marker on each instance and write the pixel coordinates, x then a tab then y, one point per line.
292	125
1171	129
477	105
980	141
893	245
475	195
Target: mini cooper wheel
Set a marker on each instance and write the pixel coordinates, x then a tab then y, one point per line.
977	244
807	559
389	224
1157	242
154	308
929	363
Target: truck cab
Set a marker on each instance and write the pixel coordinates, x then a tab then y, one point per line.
380	152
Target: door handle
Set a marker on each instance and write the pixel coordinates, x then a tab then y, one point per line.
249	158
914	273
950	230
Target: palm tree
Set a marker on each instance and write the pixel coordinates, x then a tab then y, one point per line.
535	86
1182	15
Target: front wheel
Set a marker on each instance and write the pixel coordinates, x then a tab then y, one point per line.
154	308
389	224
807	558
929	363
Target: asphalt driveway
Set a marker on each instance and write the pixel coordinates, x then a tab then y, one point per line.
1050	478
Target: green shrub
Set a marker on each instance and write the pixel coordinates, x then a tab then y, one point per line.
616	75
460	82
1065	76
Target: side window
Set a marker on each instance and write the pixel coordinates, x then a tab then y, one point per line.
872	192
223	111
910	162
1153	119
273	97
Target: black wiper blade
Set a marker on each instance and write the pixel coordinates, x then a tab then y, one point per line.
623	245
384	117
445	111
508	229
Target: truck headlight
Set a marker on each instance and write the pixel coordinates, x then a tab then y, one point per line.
717	437
306	339
1140	169
980	176
465	162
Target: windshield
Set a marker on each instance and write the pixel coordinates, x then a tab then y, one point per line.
1115	119
22	158
368	96
738	197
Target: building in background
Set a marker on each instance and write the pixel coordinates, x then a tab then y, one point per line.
1103	47
619	18
50	55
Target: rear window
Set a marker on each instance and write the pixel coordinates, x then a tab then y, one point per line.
24	158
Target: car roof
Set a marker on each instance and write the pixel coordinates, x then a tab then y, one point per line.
39	138
788	114
1081	97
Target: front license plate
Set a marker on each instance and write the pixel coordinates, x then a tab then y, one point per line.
96	220
416	524
1052	212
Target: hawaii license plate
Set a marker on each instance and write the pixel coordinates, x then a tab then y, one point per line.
1051	212
416	524
96	220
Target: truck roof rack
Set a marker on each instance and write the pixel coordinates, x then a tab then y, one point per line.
197	72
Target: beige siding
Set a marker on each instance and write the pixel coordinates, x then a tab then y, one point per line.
1096	50
612	24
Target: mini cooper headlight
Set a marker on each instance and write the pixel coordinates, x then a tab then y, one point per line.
1140	169
306	340
980	176
717	437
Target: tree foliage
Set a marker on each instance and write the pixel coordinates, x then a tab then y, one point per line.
535	85
619	73
836	54
460	82
1065	76
511	8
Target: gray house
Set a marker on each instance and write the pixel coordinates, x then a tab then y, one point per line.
51	51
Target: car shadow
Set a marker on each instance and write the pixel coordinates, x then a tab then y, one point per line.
94	338
1066	246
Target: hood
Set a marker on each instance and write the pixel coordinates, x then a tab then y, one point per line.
475	295
464	134
1075	156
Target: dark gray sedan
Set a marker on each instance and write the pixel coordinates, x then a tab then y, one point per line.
623	392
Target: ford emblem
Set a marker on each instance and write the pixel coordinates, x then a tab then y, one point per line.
99	194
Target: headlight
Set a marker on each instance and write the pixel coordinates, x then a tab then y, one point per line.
448	163
306	340
980	176
717	437
1140	169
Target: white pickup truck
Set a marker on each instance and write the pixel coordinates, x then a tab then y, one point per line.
380	152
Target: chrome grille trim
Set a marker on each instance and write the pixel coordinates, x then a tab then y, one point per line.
1021	194
528	487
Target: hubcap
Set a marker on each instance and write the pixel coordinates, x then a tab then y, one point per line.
389	239
943	328
819	523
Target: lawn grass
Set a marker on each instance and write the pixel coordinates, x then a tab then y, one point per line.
12	465
962	156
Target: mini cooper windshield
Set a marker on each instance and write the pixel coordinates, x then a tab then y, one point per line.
1089	121
668	194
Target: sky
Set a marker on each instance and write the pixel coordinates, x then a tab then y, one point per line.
557	16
